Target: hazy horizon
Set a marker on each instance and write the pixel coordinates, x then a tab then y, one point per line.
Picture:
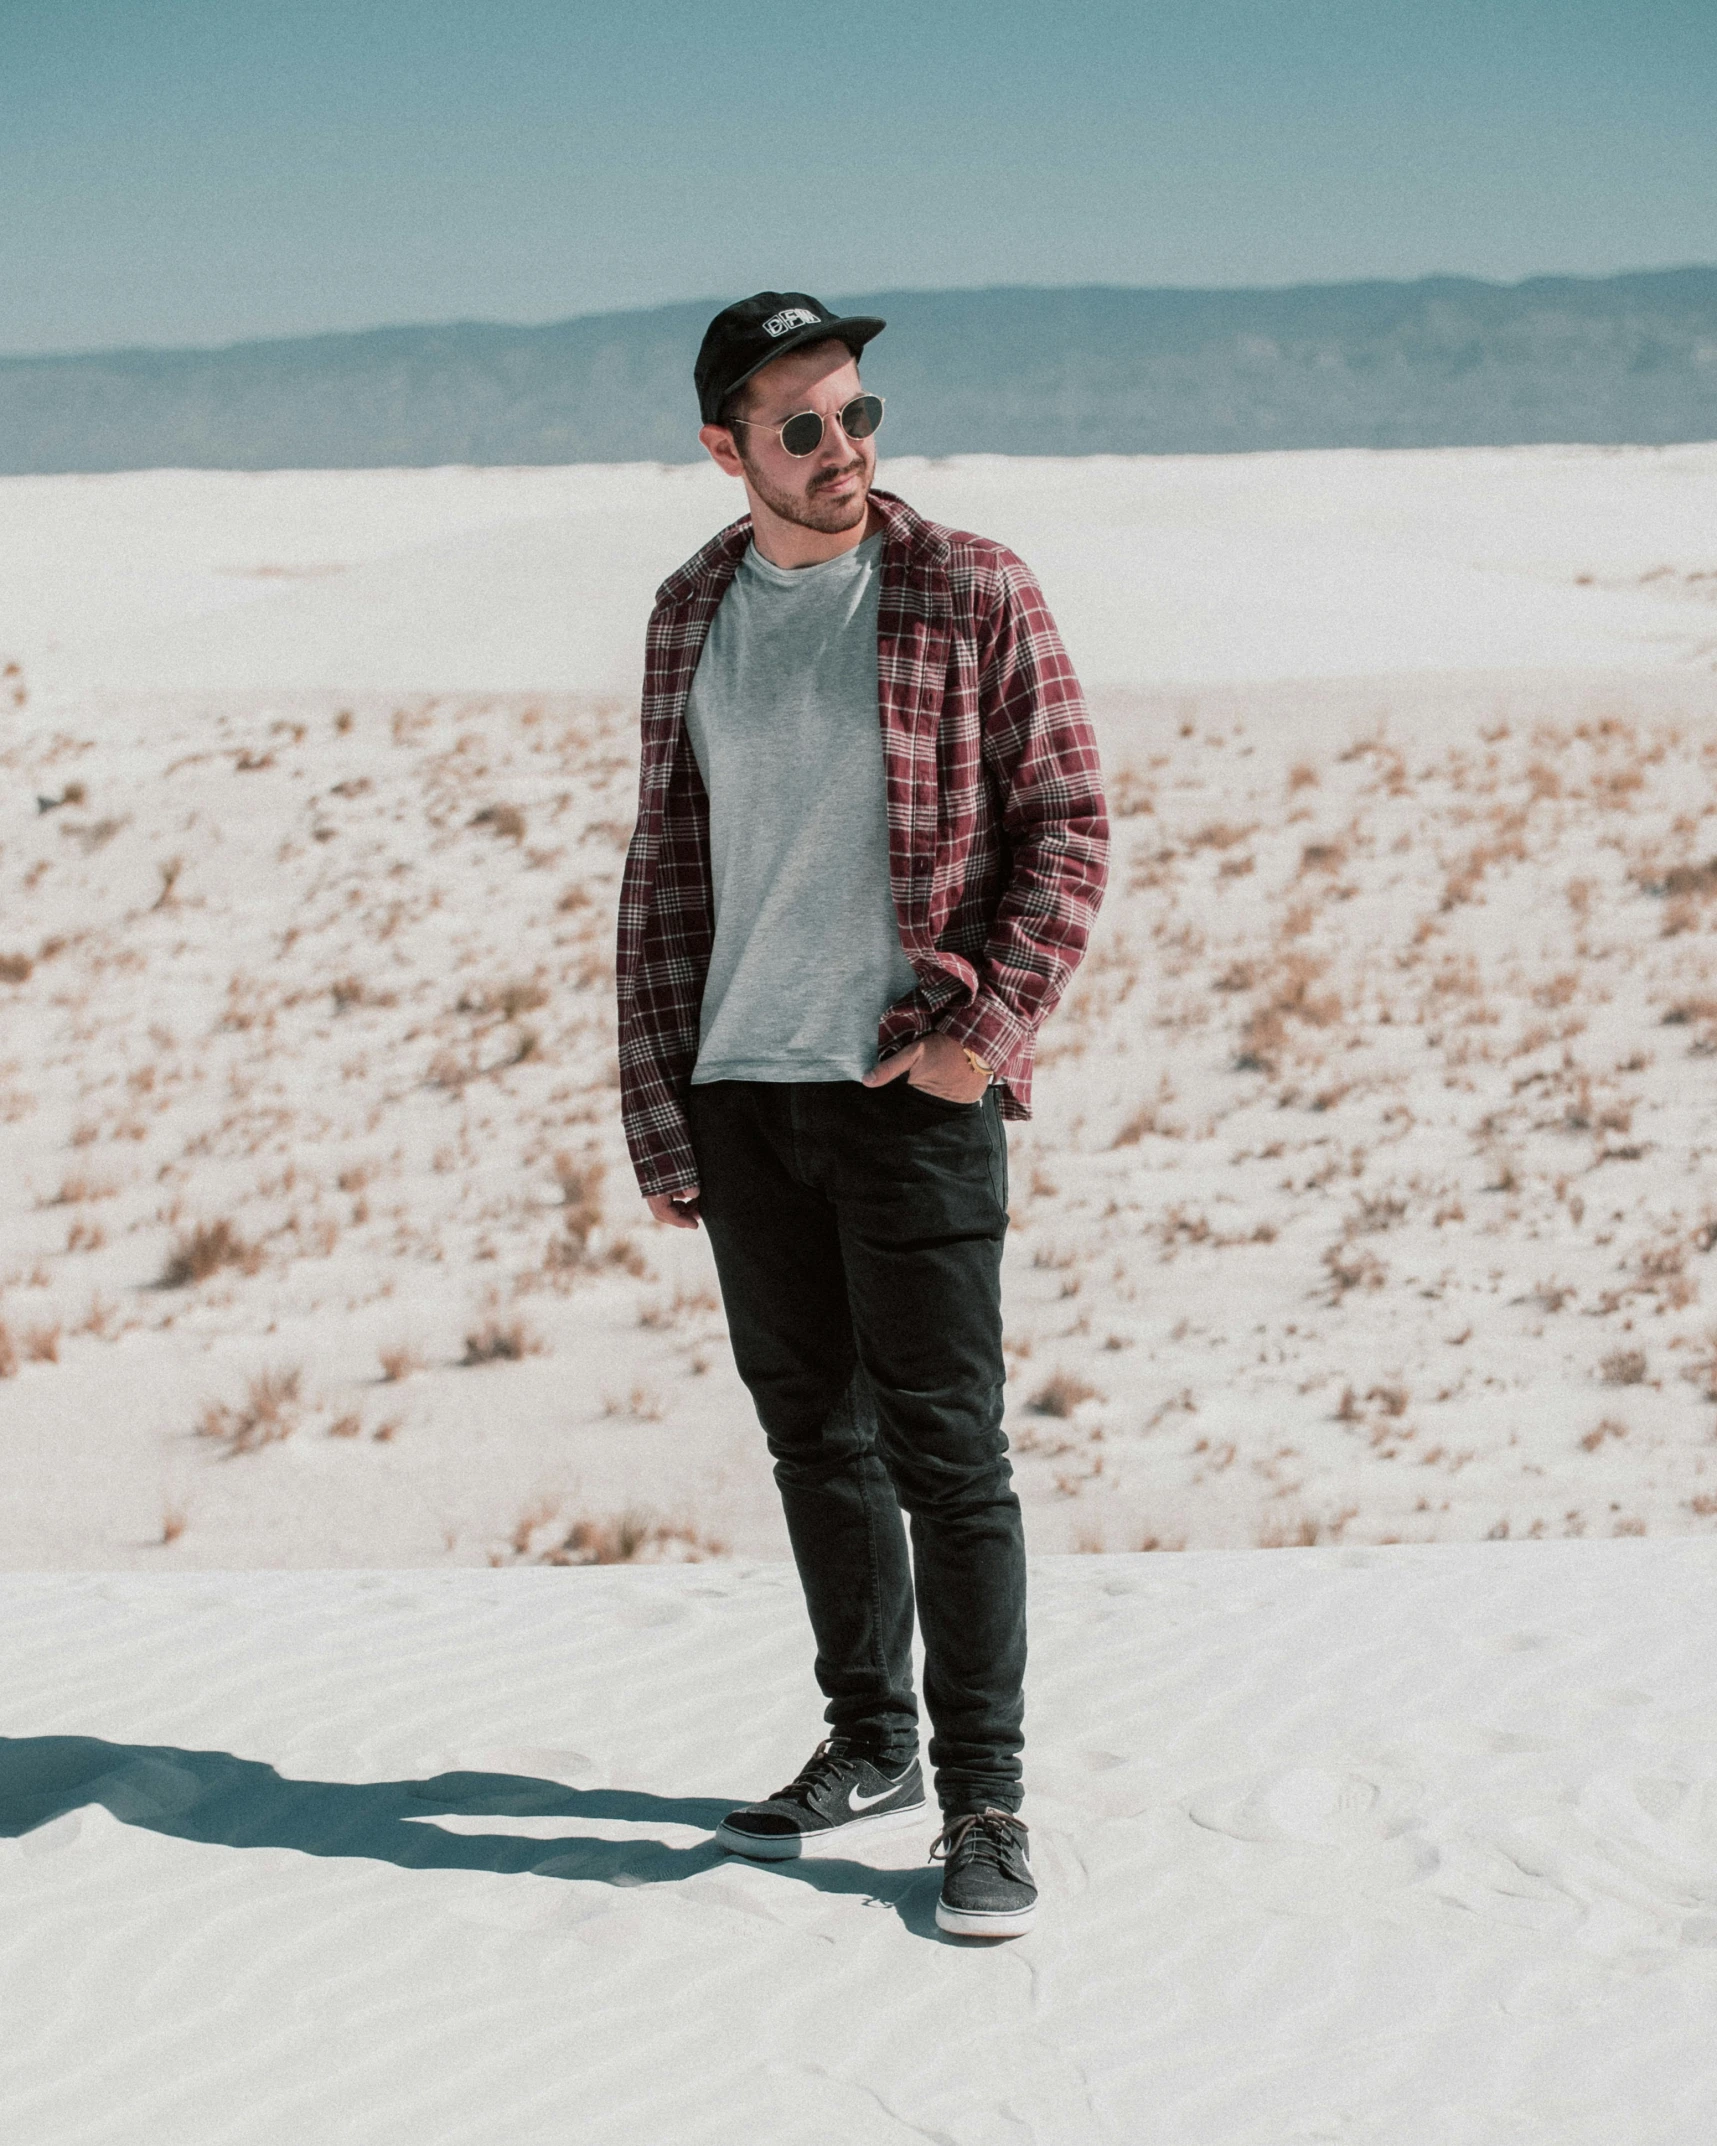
842	295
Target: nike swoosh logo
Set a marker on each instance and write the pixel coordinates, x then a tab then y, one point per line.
856	1802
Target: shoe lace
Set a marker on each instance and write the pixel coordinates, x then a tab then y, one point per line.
827	1760
979	1836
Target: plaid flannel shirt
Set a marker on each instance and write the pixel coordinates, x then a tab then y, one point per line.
997	835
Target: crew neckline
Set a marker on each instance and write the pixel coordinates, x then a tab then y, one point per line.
794	577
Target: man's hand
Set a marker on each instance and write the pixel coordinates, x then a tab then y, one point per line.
935	1063
679	1210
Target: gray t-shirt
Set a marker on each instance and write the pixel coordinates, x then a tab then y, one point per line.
783	721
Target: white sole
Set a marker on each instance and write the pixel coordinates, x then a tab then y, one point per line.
789	1847
967	1922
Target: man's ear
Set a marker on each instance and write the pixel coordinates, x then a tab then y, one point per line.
719	445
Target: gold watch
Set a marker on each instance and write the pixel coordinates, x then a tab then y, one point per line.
976	1063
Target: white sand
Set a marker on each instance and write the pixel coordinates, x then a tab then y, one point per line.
1431	1265
1389	1847
1162	570
1368	1203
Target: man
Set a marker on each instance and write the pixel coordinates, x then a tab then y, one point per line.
870	844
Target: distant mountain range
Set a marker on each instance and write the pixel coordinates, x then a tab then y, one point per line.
1447	362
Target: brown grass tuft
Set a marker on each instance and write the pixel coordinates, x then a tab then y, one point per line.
501	1341
505	820
204	1250
580	1180
1350	1267
641	1405
628	1539
269	1413
8	1352
1623	1367
1060	1394
399	1361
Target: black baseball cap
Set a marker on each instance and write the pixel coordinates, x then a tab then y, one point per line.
743	338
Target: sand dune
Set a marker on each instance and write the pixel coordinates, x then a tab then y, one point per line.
1398	1848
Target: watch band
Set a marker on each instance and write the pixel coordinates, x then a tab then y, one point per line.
976	1063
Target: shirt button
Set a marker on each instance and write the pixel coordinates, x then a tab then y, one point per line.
921	864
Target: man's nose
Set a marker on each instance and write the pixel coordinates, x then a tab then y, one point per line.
834	446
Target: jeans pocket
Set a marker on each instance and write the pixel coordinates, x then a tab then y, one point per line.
936	1109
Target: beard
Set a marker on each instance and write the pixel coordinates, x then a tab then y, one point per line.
813	508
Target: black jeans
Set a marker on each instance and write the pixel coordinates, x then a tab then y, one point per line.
858	1236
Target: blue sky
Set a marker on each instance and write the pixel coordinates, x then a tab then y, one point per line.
182	172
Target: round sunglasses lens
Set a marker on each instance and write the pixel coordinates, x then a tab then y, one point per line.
862	416
802	435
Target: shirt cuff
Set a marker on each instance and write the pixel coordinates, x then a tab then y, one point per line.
984	1025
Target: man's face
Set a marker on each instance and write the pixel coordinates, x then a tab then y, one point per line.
828	490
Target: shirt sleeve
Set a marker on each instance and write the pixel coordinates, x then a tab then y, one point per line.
1040	752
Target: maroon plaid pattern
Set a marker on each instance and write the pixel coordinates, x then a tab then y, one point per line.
997	835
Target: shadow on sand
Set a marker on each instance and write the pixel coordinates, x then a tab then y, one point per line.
228	1802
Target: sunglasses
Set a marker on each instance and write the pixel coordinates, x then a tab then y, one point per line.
802	434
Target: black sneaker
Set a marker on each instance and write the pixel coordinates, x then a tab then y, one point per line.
842	1795
987	1888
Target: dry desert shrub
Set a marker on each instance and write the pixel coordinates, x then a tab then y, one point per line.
1220	834
77	1189
449	1071
642	1405
269	1412
1376	1211
1350	1267
580	1180
1285	1533
173	1523
1288	995
15	968
660	1317
1702	1371
495	1340
509	1000
625	1255
42	1343
1130	796
1623	1367
504	820
628	1539
1696	882
1060	1394
1609	1428
524	996
1148	1118
399	1361
204	1250
8	1352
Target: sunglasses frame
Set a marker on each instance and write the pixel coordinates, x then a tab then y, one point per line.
804	454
